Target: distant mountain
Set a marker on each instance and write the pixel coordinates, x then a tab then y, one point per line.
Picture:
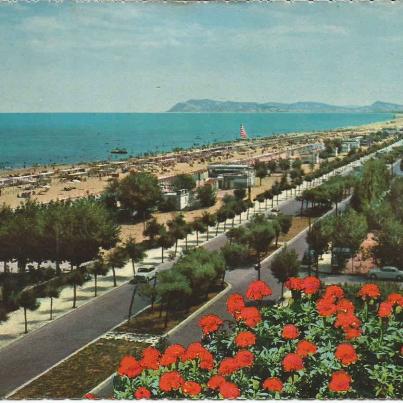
209	105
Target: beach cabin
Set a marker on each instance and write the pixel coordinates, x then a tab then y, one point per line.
179	198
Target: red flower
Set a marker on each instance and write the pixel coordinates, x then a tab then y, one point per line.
346	354
215	382
206	361
235	303
245	339
171	381
385	309
197	351
395	299
351	333
172	353
129	367
90	396
305	348
292	362
334	291
311	285
191	388
290	332
250	316
210	323
273	384
340	382
369	291
229	390
150	358
244	358
295	284
228	366
258	290
142	393
345	305
325	307
347	320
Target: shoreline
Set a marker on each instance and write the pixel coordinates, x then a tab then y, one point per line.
370	126
44	183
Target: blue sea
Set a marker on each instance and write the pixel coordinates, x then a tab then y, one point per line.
28	139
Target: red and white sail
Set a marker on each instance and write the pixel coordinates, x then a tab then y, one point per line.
243	133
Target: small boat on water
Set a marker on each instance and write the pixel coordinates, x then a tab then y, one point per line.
119	151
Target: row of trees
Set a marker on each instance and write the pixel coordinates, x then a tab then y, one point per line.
189	280
71	231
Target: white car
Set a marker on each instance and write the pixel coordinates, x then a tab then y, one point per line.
145	274
386	273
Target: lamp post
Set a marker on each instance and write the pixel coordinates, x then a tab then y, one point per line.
257	268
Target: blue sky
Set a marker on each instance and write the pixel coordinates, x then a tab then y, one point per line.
145	57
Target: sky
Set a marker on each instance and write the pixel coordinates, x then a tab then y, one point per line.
145	57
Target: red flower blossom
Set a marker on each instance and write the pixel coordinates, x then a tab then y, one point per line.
311	285
346	354
90	396
345	306
305	348
129	367
273	384
347	320
340	382
351	333
228	366
197	351
258	290
244	358
215	382
206	361
150	358
245	339
191	388
229	390
369	291
171	381
172	353
250	316
295	284
142	393
235	303
334	291
210	323
385	309
292	362
325	307
395	299
290	332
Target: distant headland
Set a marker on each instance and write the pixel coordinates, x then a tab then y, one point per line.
209	105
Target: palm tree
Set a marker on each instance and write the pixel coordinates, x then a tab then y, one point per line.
165	240
209	220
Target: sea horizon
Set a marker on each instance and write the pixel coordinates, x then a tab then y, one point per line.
31	139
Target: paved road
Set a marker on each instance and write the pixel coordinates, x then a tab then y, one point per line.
45	347
34	353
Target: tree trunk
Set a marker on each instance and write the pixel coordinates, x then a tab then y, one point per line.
276	240
114	277
207	233
131	304
51	308
272	202
74	295
197	238
134	270
25	319
161	308
176	246
162	254
96	285
282	289
216	232
186	242
166	316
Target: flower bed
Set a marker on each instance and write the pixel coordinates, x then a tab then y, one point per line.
321	345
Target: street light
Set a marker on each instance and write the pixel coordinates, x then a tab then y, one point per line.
257	268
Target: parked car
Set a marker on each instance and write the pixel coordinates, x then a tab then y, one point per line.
145	274
386	273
